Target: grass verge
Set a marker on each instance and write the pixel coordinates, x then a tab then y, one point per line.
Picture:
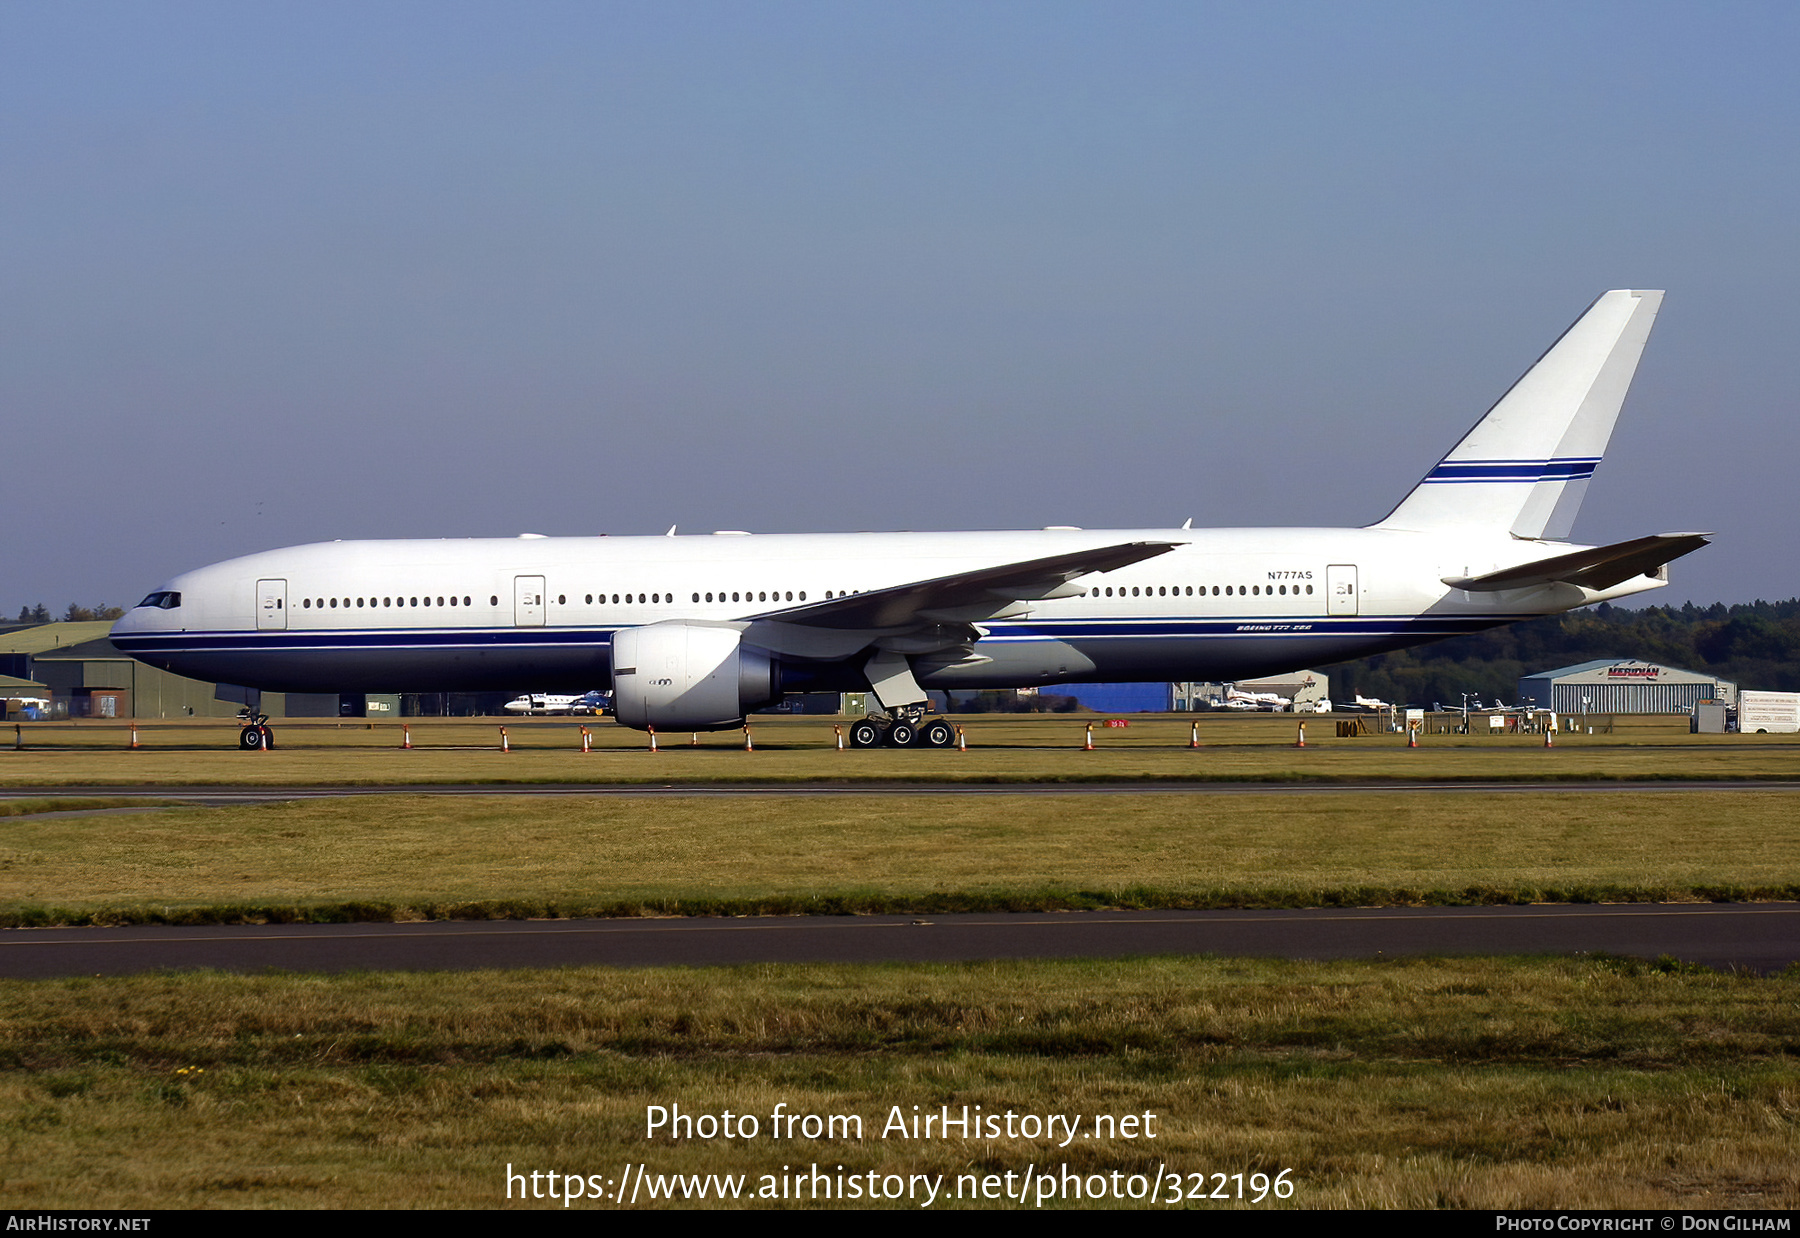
73	803
420	857
1415	1083
1003	750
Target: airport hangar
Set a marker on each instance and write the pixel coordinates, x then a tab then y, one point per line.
86	676
1623	686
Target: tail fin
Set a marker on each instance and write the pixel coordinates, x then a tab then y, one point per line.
1525	466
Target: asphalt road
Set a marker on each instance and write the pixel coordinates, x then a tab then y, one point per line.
1760	936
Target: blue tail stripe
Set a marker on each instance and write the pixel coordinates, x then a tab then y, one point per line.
1571	468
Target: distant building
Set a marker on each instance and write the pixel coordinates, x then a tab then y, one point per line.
1116	698
1622	686
87	677
23	698
1302	688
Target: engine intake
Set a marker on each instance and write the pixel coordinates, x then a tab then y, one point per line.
686	676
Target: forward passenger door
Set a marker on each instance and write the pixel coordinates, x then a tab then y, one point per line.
271	605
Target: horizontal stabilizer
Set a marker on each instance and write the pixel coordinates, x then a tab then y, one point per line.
984	590
1601	567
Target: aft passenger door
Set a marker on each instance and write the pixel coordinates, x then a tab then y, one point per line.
271	605
1340	589
528	601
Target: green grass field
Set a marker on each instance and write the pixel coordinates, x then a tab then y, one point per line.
1015	748
1415	1084
1479	1083
402	856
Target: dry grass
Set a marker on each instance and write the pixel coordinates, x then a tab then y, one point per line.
28	806
424	855
1463	1083
1035	748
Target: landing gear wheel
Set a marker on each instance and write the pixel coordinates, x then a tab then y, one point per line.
865	735
250	739
937	734
902	735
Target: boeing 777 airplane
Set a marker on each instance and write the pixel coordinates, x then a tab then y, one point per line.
694	632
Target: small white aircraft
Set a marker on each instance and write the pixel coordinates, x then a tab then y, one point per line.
1267	701
694	632
1368	702
542	703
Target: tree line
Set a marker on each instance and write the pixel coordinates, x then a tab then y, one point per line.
75	614
1754	645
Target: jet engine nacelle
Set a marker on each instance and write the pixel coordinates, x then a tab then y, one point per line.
683	676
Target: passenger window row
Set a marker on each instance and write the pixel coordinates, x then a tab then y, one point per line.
616	599
387	603
765	595
1229	590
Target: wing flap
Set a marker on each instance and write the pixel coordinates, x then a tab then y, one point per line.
983	592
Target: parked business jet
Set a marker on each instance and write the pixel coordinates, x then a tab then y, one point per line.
542	703
1268	702
693	632
558	703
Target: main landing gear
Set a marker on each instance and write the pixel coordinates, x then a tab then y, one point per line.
903	731
900	725
256	735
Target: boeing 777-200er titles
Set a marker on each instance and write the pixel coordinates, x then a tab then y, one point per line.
695	632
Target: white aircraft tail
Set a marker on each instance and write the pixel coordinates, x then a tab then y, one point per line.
1525	466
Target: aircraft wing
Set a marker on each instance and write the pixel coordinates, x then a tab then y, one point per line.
965	596
1601	567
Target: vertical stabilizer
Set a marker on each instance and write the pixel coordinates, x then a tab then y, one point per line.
1525	466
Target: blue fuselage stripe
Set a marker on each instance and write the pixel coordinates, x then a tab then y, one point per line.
509	639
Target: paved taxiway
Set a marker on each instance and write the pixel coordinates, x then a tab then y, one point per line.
1760	936
1763	937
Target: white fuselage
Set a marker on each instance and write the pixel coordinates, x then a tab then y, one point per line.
529	614
708	628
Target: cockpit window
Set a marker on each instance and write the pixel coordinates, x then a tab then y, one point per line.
162	599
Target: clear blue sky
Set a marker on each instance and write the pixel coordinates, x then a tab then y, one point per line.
277	273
